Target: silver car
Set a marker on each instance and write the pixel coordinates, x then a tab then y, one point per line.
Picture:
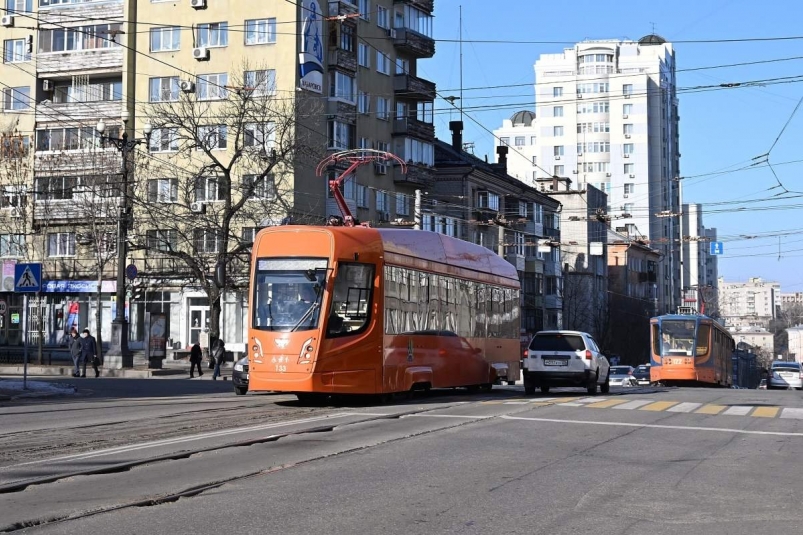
784	374
623	376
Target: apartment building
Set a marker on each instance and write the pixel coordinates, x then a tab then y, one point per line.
329	76
748	304
519	133
607	115
697	265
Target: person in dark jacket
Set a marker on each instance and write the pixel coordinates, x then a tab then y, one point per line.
89	351
75	352
218	351
196	356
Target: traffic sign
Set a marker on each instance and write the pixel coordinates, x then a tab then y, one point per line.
3	307
27	277
131	272
716	248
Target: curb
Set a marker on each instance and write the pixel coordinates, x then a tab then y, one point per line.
66	371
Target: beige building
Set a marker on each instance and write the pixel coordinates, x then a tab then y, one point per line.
758	338
310	79
748	304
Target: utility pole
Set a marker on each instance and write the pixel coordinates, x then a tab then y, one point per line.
417	210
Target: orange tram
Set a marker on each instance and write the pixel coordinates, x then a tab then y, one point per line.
357	310
690	350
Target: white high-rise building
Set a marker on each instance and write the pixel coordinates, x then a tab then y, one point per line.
519	133
607	115
748	304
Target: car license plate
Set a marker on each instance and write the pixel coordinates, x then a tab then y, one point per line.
246	376
556	362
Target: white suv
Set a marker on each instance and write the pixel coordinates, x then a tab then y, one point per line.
565	358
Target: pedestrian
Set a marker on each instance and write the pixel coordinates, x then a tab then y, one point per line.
89	350
218	352
75	352
196	356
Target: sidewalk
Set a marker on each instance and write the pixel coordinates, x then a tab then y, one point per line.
13	389
171	370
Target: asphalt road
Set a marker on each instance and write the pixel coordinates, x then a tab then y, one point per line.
636	461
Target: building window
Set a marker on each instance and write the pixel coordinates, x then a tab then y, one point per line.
61	244
416	151
630	188
382	17
215	34
99	91
630	168
362	196
365	9
164	140
382	108
402	204
505	141
627	148
557	150
538	213
363	55
57	139
73	39
627	129
22	6
207	189
162	240
382	63
558	170
557	91
402	66
519	141
532	140
342	86
165	39
259	135
212	137
163	190
261	187
557	131
363	102
340	135
627	109
12	245
261	83
535	160
207	240
557	111
14	146
15	51
382	201
17	98
346	38
628	208
522	209
488	199
627	89
260	31
163	89
212	86
249	234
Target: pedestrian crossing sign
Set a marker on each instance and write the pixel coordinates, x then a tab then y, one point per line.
27	277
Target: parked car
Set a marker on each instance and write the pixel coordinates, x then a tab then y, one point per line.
565	358
784	374
642	374
623	376
239	376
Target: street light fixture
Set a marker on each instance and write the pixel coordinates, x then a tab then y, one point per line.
119	354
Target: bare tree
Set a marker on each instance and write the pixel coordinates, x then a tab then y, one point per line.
216	172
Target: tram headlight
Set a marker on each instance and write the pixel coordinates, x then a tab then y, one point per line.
305	356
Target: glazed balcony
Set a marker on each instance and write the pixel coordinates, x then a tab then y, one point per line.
424	5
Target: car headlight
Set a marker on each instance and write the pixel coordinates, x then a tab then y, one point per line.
241	364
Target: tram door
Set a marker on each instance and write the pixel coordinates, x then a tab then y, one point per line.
199	317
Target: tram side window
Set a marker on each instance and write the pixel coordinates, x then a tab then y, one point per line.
656	339
703	336
351	299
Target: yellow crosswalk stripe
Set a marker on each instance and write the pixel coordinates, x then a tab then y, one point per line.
658	406
607	404
766	412
710	409
565	400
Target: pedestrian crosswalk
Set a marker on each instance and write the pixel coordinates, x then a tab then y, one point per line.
651	405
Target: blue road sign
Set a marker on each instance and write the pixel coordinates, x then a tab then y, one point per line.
716	247
131	271
28	277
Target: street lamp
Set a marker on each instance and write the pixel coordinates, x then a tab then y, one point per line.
119	355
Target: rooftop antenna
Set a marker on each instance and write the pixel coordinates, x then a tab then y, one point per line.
653	28
460	39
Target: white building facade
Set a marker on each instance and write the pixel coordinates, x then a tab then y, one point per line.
518	133
607	115
698	266
748	304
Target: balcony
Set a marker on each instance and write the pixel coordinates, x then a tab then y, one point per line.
407	86
166	267
516	260
423	5
342	7
410	126
417	175
98	61
343	58
551	233
81	207
340	108
414	43
56	268
72	112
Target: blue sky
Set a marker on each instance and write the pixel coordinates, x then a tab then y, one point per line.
720	130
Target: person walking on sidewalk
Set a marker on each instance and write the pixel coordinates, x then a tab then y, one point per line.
196	356
89	351
75	353
218	350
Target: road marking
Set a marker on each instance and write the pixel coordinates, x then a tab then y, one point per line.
797	414
710	409
591	400
635	404
517	402
684	407
607	404
653	426
449	416
658	406
491	402
766	412
739	410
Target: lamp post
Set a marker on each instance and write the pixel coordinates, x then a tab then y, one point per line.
119	355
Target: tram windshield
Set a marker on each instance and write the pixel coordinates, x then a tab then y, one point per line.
677	337
288	294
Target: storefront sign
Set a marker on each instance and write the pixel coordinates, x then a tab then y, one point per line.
78	287
158	335
15	318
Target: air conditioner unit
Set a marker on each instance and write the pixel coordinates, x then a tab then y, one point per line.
201	53
47	85
579	95
187	86
607	174
7	20
392	33
627	156
557	157
198	207
624	116
198	4
627	136
633	176
626	195
627	96
575	171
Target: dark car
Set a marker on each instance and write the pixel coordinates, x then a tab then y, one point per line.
239	376
642	374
